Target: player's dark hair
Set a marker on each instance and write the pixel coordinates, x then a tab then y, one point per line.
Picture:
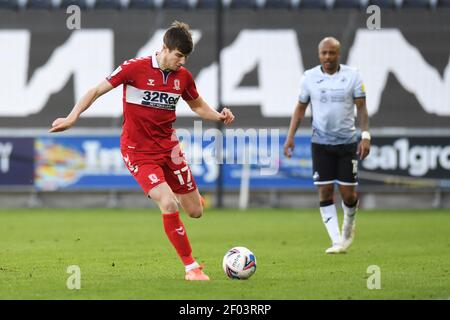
178	36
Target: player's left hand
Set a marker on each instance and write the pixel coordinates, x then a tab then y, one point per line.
61	124
226	116
363	149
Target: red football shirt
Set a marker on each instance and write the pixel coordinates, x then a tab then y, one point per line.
150	96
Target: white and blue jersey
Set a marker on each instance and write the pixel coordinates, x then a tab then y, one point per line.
332	103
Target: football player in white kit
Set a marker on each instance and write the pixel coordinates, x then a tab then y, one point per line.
333	89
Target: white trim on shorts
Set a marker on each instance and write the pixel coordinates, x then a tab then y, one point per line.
336	181
324	182
347	183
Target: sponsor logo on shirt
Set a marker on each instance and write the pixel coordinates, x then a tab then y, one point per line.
153	99
323	96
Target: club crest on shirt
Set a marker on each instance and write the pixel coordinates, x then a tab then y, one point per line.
176	84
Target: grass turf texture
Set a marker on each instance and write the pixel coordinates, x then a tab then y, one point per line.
124	254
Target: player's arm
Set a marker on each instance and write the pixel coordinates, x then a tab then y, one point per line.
85	102
296	119
200	107
363	118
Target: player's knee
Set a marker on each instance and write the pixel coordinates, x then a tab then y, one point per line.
168	204
195	212
326	194
350	199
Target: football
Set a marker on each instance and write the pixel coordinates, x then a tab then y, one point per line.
239	263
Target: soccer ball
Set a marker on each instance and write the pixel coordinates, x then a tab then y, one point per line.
239	263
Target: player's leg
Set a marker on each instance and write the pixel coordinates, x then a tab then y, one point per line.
348	180
350	207
191	203
179	176
180	180
324	175
173	226
175	229
330	217
150	176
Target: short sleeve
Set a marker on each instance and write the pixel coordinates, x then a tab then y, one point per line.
359	91
305	95
190	93
122	74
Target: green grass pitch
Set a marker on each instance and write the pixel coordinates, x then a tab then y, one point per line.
124	254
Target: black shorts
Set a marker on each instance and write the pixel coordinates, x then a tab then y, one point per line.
335	163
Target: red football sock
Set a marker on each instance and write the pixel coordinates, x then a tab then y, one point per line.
177	235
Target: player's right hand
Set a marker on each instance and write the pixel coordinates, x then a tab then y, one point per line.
61	124
226	116
289	147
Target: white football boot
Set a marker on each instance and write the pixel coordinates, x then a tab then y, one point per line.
336	248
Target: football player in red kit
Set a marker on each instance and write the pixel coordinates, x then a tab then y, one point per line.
152	87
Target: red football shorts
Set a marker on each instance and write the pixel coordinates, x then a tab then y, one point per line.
150	170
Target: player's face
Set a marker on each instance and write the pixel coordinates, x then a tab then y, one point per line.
175	59
329	57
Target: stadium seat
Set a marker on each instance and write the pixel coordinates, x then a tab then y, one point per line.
158	4
9	4
175	4
433	4
140	4
243	4
80	3
416	3
107	4
277	4
444	3
40	4
22	4
382	3
347	4
313	4
207	4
